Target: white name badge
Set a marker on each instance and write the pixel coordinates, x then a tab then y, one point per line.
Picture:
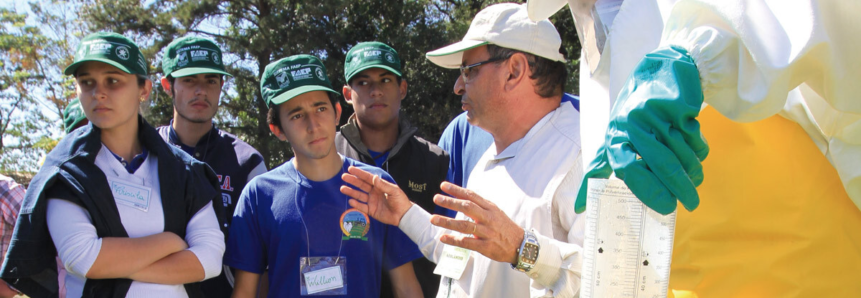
130	194
323	276
323	280
453	260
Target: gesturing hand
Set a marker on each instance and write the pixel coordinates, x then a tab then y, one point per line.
380	199
496	236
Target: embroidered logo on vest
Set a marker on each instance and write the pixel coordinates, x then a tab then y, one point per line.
418	187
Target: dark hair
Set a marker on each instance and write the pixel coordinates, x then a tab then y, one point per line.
274	114
550	75
171	79
142	80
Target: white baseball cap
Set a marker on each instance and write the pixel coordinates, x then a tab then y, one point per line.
542	9
506	25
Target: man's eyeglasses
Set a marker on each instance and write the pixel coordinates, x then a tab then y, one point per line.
465	70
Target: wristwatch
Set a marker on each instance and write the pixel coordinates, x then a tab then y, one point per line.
527	254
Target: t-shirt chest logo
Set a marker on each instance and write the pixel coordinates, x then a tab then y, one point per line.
417	187
355	225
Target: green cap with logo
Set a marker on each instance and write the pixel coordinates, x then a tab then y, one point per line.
192	55
371	55
292	76
72	115
110	48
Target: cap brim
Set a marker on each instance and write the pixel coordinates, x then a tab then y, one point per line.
70	70
451	56
190	71
541	9
296	92
361	69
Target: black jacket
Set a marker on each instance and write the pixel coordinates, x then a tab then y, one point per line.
418	167
232	160
70	173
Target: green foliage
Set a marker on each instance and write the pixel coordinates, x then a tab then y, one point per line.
25	93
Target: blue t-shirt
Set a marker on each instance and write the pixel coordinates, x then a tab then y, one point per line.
466	143
267	230
379	157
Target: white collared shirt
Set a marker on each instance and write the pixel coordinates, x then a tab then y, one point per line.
535	181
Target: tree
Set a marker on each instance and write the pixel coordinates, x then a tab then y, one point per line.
254	33
33	94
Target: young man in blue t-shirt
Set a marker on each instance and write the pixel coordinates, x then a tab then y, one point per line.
294	220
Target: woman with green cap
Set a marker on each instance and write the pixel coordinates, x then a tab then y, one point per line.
128	215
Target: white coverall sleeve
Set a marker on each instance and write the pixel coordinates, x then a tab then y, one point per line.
752	53
206	241
416	224
557	270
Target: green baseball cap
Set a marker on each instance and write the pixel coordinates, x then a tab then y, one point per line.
371	54
110	48
192	55
292	76
72	115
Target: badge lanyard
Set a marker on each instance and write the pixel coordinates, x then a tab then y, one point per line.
326	280
308	235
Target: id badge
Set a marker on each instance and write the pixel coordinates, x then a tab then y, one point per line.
453	260
130	194
323	276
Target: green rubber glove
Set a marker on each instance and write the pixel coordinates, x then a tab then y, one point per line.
653	140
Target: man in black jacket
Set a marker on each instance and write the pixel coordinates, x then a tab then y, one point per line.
376	134
194	78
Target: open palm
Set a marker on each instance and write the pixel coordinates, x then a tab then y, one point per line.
380	199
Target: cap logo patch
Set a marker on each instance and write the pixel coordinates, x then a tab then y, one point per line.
198	55
215	58
283	80
301	74
99	45
372	54
123	52
320	74
390	58
182	59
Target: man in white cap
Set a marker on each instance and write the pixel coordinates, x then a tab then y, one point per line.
516	233
780	206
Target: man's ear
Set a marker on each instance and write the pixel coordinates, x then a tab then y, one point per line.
166	85
277	132
347	91
518	70
337	113
402	89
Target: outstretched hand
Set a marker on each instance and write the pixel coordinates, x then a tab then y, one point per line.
382	200
494	234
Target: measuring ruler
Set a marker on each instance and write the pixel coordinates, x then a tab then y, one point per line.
628	247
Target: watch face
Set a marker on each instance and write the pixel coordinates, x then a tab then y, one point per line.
530	253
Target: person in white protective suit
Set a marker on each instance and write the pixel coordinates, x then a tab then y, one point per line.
774	87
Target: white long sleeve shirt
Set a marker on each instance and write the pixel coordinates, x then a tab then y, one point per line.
535	182
78	245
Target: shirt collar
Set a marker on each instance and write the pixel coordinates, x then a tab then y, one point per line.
511	150
135	163
174	138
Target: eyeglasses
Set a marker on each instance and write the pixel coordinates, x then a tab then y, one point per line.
465	70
